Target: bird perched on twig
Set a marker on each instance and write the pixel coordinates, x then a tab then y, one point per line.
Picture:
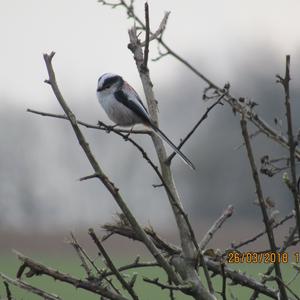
124	107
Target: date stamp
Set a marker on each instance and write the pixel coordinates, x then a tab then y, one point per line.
269	257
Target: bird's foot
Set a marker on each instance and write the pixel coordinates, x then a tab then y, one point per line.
108	128
126	137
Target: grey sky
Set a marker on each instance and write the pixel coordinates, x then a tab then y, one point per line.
91	39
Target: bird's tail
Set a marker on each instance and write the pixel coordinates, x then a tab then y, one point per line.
166	139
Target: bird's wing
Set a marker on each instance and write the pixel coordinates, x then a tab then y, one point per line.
129	97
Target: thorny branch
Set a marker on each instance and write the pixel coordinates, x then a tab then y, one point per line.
111	265
108	129
214	266
269	230
81	256
188	241
102	177
291	141
37	269
159	248
289	240
25	286
186	289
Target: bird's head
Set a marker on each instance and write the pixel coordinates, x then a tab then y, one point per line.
109	83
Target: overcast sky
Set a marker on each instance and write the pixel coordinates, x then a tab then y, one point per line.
91	39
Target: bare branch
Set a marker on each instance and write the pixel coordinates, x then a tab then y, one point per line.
227	213
114	191
88	177
257	121
159	31
291	141
242	279
183	288
159	242
257	236
136	264
64	117
283	294
78	250
25	286
94	286
84	253
109	129
7	290
285	245
205	115
187	237
288	288
147	39
111	265
223	293
235	276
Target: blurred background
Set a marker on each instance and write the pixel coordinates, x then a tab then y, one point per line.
241	42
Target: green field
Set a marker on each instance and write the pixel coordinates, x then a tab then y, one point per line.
9	266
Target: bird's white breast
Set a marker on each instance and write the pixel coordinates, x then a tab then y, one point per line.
117	111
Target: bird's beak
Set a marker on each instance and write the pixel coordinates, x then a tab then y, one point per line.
99	89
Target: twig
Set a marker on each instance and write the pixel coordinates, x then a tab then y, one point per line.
133	265
111	265
205	115
82	255
64	117
88	177
77	248
171	292
7	290
283	248
159	242
160	30
257	236
227	213
25	286
283	294
114	191
288	288
184	288
293	277
90	260
223	293
251	136
291	142
147	39
206	274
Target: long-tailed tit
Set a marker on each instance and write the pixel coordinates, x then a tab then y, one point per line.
124	107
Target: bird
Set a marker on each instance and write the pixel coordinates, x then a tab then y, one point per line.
125	108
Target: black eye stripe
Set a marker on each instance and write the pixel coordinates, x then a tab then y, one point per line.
110	81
